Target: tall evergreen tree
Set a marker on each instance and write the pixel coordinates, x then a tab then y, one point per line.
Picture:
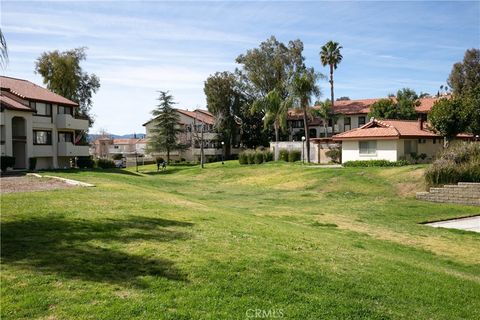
163	137
3	51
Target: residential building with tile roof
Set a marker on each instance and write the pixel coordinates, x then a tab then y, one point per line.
37	123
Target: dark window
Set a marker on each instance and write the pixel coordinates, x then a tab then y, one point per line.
347	121
434	141
368	147
361	121
312	133
42	109
65	110
65	137
330	122
42	137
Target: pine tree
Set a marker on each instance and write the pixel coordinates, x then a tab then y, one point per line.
163	136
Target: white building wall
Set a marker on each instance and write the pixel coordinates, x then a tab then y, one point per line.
386	150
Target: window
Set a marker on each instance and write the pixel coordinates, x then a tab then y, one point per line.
410	147
420	141
434	141
368	147
42	137
361	121
312	133
65	137
347	121
65	110
42	109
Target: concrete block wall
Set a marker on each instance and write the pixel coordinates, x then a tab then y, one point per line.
462	193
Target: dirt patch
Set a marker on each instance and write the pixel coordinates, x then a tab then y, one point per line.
30	183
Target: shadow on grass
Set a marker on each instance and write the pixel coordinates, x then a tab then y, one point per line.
57	245
167	171
117	171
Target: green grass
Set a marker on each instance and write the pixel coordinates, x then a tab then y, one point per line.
220	243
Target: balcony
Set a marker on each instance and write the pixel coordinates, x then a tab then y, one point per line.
66	121
68	149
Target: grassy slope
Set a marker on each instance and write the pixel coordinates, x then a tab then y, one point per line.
313	243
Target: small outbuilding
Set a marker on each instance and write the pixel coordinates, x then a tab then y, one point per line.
390	140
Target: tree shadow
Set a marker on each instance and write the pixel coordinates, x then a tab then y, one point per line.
117	171
68	247
160	172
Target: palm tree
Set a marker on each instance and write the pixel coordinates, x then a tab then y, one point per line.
3	51
275	109
330	55
304	85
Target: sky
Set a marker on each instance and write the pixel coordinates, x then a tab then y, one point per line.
139	47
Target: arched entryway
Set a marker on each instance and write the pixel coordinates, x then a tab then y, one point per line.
19	142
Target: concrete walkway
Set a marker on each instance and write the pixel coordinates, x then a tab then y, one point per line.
469	224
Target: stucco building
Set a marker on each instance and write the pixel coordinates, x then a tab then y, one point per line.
37	123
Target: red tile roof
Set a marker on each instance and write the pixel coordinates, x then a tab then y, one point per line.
200	114
28	90
362	106
388	129
11	104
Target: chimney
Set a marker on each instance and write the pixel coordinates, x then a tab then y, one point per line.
420	123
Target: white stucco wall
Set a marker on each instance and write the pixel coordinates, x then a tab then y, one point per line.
386	150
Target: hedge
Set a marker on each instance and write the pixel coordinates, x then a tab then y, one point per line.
85	162
7	162
105	164
376	163
255	156
460	162
294	155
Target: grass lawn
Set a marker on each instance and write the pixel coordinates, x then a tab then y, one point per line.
232	242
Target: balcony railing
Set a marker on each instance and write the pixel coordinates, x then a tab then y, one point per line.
66	121
68	149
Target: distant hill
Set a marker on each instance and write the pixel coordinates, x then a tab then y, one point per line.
92	137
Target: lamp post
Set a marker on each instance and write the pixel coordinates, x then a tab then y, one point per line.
223	150
136	160
303	149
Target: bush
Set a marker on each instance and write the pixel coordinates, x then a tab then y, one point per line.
243	157
335	154
85	162
258	157
105	164
251	157
159	160
376	163
117	156
32	164
294	155
460	162
267	156
7	162
283	155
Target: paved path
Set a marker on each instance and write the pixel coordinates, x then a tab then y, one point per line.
469	224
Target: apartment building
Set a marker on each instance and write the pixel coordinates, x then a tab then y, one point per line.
37	123
106	147
349	114
191	123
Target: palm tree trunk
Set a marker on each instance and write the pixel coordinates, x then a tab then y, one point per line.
331	85
307	136
275	127
332	96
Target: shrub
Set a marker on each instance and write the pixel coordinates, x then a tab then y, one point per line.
283	155
32	163
159	160
460	162
376	163
258	157
294	155
335	154
251	157
7	162
105	164
243	157
267	156
117	156
85	162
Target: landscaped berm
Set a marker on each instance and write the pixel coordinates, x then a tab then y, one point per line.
230	242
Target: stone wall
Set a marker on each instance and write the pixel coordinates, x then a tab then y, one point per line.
462	193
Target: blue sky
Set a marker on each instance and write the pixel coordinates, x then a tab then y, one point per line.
138	47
